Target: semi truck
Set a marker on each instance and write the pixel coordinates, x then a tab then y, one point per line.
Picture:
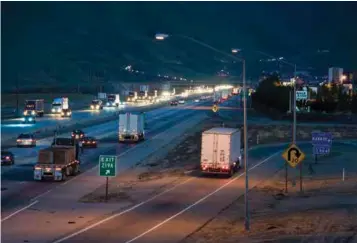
34	108
113	100
225	94
58	161
131	127
59	105
221	151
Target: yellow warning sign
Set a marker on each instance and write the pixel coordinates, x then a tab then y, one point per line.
293	155
215	108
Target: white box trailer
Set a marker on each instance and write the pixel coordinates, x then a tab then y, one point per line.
221	151
102	96
131	127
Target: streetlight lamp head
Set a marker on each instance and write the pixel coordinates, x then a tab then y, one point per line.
235	50
161	36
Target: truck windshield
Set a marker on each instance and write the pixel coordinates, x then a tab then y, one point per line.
95	102
111	97
131	94
56	105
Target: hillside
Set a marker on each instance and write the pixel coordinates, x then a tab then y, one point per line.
66	43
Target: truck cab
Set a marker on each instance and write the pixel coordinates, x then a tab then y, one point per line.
113	100
34	108
59	104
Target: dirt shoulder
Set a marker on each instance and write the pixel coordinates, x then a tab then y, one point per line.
325	212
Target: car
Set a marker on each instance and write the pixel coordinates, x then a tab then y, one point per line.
197	100
89	142
26	140
29	119
77	134
96	105
7	158
181	101
174	103
66	113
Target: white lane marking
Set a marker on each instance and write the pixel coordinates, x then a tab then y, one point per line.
42	194
18	211
121	213
201	200
151	199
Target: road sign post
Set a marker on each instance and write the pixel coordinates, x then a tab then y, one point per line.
293	156
107	168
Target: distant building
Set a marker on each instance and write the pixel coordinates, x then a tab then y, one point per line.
335	74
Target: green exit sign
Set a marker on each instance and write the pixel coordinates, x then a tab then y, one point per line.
107	165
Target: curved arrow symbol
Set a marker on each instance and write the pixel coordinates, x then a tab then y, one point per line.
297	153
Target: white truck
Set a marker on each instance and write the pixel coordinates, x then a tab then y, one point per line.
59	105
131	127
113	100
221	151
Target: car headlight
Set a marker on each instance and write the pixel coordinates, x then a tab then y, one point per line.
62	113
30	118
53	110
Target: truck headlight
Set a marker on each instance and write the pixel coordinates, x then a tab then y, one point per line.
30	118
25	113
92	107
97	107
33	112
53	110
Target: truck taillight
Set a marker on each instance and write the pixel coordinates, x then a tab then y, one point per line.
18	140
58	169
7	157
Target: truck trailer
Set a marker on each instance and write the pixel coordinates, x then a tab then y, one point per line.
34	108
131	127
221	151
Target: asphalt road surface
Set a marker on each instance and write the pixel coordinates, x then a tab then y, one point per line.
18	179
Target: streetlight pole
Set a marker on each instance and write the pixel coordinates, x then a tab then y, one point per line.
245	133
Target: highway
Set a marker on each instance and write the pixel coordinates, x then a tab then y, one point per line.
12	127
18	179
167	216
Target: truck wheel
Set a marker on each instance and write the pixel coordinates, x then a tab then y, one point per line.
231	172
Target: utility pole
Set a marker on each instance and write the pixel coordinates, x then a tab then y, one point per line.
247	221
17	97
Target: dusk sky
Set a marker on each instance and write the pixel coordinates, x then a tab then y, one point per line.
37	36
